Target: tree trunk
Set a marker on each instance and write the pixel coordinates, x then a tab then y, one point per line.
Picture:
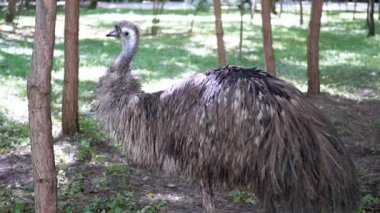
301	12
241	29
10	14
219	33
158	7
27	4
39	89
93	4
70	118
379	9
313	47
273	6
253	9
196	10
355	4
370	18
267	37
155	20
281	7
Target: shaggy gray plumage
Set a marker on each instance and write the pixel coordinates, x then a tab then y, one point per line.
240	127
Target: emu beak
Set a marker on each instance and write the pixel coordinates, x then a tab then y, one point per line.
113	33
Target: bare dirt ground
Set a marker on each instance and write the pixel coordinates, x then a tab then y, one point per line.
358	124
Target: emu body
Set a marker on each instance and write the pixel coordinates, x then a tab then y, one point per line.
235	126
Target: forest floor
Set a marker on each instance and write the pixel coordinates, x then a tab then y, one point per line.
95	176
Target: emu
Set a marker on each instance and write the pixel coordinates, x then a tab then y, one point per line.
230	126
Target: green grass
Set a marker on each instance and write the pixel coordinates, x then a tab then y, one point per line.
350	62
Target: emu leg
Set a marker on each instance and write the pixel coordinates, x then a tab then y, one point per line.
208	199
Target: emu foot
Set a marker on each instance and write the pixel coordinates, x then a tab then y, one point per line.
208	200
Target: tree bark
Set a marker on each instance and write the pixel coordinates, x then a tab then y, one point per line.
219	33
196	10
11	11
70	117
241	30
273	6
370	18
301	12
313	47
281	7
253	9
267	37
157	9
39	89
93	4
355	4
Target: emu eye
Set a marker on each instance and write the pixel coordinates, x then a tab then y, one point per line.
126	33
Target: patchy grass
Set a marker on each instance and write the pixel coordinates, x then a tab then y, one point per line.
12	133
243	197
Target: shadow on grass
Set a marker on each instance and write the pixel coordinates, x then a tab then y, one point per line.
15	57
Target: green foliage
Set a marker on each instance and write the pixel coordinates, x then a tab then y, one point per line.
91	136
5	198
243	197
85	150
22	206
369	199
68	206
74	187
362	173
91	130
8	202
118	203
117	170
377	123
369	203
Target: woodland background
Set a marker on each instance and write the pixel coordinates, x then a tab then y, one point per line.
341	76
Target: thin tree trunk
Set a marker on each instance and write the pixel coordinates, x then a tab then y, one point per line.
267	37
70	117
93	4
197	9
273	6
241	29
355	4
219	33
27	4
313	47
11	11
39	89
155	20
301	12
253	9
370	18
158	7
378	2
281	7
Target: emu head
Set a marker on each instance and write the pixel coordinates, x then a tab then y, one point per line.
129	35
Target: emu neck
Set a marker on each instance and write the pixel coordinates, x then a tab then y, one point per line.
123	62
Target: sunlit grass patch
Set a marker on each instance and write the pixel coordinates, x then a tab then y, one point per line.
12	133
